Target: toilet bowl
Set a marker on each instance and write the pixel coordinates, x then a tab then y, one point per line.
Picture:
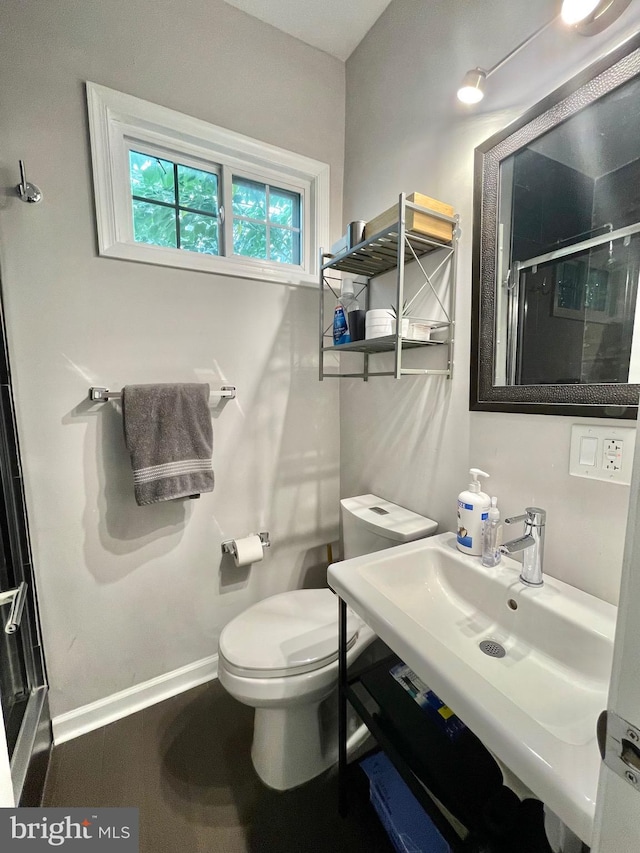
280	656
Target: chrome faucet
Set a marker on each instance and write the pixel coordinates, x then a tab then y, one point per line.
531	544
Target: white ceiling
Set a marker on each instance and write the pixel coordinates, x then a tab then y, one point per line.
335	26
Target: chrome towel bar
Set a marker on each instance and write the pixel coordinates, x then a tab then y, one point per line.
102	395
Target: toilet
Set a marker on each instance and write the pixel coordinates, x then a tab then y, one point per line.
280	656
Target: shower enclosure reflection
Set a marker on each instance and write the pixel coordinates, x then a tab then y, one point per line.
571	320
569	246
557	251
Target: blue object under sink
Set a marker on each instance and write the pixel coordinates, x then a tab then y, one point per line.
409	827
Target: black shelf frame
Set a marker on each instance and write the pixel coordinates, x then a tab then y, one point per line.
347	693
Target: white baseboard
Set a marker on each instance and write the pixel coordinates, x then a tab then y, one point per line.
93	716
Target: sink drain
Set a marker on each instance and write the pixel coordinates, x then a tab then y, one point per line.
493	649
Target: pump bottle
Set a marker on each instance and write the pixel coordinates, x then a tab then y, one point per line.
492	536
473	511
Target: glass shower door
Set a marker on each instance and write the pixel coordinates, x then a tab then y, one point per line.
23	686
14	684
14	678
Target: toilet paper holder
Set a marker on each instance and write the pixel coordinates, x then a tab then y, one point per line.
229	545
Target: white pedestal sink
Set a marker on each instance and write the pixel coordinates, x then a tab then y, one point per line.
535	707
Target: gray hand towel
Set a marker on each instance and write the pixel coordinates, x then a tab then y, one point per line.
168	433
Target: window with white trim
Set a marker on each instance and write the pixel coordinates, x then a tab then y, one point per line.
177	191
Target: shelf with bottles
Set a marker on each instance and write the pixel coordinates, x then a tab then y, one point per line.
393	248
387	343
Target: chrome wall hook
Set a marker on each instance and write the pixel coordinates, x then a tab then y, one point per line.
26	191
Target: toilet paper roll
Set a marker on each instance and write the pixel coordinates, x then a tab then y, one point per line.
248	550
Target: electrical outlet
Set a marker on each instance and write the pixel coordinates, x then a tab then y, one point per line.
602	453
612	454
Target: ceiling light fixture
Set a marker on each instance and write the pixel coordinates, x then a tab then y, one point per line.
574	11
587	17
590	17
472	89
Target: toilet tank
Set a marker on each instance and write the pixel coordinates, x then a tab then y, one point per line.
370	523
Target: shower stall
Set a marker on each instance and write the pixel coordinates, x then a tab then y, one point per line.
23	684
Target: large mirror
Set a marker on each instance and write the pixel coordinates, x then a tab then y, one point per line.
556	318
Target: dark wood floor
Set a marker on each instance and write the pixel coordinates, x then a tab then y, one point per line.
185	764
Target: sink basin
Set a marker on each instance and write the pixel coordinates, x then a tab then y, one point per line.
527	669
558	650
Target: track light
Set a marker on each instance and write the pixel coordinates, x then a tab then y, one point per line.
472	89
587	17
574	11
590	17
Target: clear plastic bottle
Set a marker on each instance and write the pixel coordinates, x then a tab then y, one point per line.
492	536
346	303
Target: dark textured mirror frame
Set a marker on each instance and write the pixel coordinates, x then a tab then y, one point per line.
596	401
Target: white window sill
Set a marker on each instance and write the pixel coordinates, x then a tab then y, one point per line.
234	267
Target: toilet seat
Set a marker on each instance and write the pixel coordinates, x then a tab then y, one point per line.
287	634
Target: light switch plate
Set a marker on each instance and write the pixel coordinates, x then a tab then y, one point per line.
609	448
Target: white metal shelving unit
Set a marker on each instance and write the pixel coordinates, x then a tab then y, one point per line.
390	249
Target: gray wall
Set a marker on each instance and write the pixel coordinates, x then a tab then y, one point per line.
130	593
413	441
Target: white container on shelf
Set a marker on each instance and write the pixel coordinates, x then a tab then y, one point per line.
419	330
381	322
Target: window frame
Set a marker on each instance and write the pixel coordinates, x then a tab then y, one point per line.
119	123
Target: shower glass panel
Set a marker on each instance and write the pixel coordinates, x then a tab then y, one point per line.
13	681
14	689
23	686
573	319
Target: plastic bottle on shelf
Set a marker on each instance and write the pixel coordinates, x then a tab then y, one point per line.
346	304
355	314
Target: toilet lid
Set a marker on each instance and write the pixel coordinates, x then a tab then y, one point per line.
286	634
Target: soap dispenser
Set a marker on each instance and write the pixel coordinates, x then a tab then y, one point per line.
473	511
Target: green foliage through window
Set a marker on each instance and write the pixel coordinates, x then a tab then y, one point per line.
178	206
173	205
266	222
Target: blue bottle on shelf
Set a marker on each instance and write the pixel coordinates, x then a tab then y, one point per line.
346	303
